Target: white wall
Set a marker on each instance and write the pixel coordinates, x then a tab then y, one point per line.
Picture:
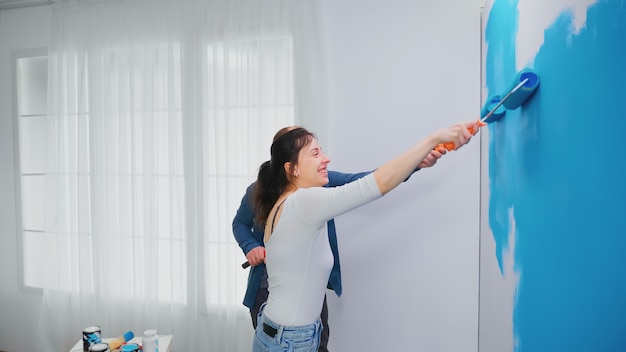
399	69
19	311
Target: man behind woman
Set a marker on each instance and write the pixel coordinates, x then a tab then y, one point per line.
249	236
290	201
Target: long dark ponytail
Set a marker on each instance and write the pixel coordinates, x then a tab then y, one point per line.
273	179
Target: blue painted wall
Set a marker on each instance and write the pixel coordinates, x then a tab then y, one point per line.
559	162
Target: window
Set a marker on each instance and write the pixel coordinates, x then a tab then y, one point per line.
247	95
30	67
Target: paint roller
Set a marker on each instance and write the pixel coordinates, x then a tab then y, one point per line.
520	90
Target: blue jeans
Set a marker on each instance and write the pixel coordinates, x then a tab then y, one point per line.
305	338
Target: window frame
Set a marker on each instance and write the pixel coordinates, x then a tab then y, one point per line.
17	55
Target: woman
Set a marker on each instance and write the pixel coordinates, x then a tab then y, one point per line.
294	206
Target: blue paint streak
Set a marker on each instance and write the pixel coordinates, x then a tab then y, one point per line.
559	163
500	33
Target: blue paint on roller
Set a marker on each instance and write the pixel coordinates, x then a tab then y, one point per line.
490	104
524	92
522	88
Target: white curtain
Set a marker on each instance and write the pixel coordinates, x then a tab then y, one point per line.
159	114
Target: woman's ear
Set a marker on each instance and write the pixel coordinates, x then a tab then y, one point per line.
291	170
288	168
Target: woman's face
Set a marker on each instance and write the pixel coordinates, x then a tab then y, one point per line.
312	167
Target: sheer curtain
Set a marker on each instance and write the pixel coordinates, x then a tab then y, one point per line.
159	113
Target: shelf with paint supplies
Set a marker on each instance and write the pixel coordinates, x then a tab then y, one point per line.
150	341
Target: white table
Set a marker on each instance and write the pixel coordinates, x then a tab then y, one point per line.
165	343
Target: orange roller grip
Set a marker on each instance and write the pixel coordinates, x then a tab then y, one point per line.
450	146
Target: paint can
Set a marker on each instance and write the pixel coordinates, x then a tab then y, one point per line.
99	347
91	335
130	347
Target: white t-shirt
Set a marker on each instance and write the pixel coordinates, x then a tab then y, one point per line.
298	254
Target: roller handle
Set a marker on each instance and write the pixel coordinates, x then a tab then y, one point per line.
481	121
450	146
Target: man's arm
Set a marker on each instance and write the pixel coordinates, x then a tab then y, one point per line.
339	178
243	224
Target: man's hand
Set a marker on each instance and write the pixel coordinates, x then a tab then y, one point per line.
256	256
432	157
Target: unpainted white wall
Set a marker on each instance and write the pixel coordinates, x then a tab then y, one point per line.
399	70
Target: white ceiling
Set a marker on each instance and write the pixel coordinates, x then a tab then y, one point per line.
15	4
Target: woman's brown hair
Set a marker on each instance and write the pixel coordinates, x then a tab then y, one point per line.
272	179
